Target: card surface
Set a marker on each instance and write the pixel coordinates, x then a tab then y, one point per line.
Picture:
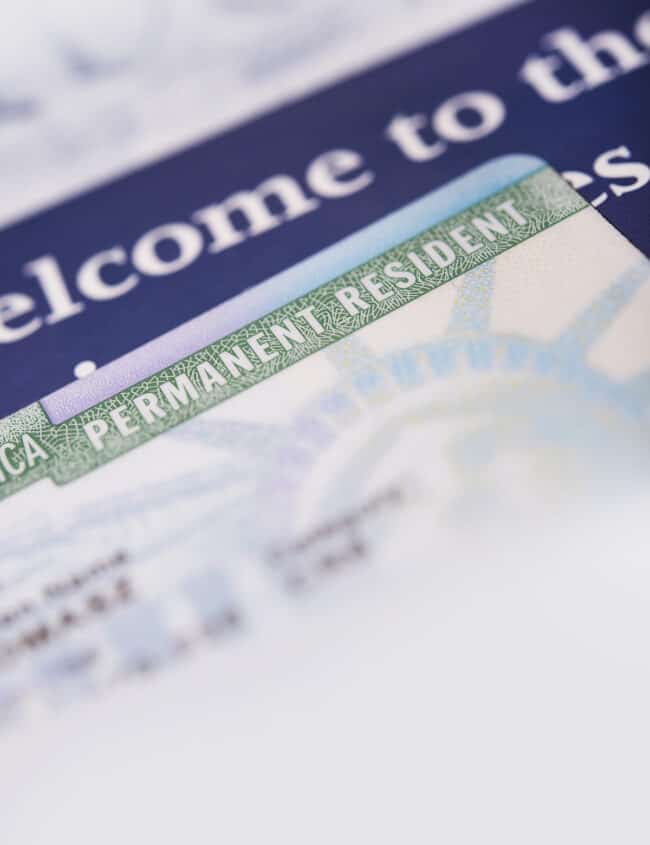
397	499
104	273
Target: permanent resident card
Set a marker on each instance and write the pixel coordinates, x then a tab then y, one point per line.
363	546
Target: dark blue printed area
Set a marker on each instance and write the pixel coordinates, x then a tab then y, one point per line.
583	109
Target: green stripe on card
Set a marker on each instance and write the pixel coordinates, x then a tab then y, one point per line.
32	448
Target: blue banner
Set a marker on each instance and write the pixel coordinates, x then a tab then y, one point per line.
112	269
